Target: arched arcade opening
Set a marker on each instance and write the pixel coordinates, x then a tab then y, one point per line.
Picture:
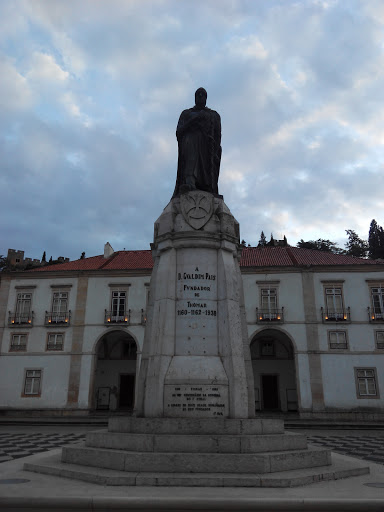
274	371
115	371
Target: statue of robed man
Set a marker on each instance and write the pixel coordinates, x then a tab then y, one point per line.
198	135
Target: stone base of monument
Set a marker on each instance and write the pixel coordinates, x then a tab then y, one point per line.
195	452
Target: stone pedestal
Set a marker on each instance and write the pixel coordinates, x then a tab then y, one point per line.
196	384
196	359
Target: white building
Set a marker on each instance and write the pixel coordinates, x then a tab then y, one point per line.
71	334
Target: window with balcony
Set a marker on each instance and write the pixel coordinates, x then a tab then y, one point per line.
18	343
376	313
379	339
334	310
118	313
59	313
23	314
337	339
269	311
32	383
366	383
55	341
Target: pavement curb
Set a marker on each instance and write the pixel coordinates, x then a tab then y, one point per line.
78	504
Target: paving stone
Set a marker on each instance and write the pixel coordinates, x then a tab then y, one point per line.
16	446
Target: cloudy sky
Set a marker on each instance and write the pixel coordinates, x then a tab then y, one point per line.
91	91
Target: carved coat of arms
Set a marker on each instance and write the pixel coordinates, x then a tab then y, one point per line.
196	207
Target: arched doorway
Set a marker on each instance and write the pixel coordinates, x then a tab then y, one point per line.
274	372
115	372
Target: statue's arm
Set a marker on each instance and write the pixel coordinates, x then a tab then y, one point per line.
186	122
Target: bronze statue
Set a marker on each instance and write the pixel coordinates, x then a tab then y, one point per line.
198	135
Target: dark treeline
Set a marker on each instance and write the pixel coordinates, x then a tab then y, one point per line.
372	248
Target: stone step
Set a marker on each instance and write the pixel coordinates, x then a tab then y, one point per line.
196	443
195	426
195	462
52	465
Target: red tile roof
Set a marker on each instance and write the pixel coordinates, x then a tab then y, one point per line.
120	260
251	257
294	256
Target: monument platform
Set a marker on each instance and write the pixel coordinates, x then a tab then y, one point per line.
198	452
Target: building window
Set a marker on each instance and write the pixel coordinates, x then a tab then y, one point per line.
334	310
18	343
334	303
379	336
32	384
269	312
118	313
267	349
23	314
129	350
59	313
366	382
55	341
337	339
118	305
377	301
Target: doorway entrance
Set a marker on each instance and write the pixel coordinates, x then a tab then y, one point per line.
127	391
270	392
274	371
115	372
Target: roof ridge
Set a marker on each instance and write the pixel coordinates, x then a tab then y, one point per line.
293	259
108	260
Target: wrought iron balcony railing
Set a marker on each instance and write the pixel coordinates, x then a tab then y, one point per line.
272	315
55	346
16	319
375	316
18	347
340	345
336	315
113	318
62	319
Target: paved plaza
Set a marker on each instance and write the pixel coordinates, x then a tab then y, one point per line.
23	490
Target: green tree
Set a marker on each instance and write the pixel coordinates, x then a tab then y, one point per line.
355	245
44	258
320	245
3	262
375	241
262	241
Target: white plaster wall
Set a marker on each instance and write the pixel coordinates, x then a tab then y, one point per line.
85	381
339	380
290	295
42	295
99	297
360	337
304	381
54	381
355	291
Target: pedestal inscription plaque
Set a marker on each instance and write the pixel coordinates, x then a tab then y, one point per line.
196	304
196	401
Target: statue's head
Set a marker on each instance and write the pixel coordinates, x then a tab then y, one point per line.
200	97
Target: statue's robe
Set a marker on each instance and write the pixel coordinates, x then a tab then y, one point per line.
199	136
